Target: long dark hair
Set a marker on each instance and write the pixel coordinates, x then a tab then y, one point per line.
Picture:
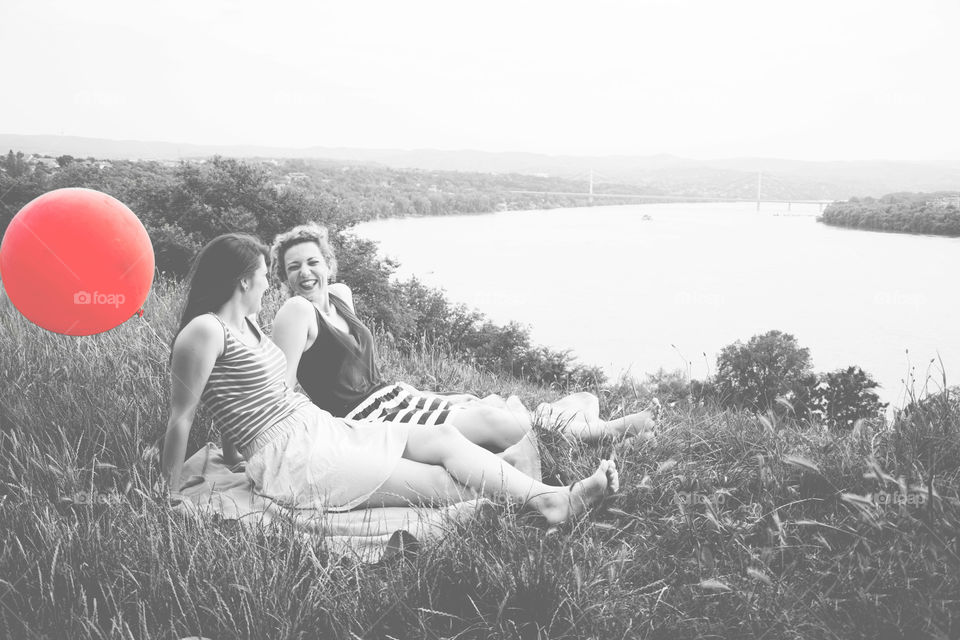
217	271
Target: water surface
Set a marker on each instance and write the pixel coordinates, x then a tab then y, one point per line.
634	294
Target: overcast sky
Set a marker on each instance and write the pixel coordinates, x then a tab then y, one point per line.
805	79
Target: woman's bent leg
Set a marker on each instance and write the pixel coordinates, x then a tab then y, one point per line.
415	483
584	403
479	469
489	426
577	416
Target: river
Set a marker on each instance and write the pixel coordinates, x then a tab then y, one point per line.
640	287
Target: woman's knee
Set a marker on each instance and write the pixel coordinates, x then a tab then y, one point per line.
448	432
586	398
506	423
432	445
441	483
446	441
489	415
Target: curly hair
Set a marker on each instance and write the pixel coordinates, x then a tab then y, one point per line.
310	232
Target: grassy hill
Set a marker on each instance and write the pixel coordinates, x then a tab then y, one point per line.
728	525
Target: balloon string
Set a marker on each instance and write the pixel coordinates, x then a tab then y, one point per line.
140	313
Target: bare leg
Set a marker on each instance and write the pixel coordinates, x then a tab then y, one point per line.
494	400
582	402
488	426
578	418
640	424
415	483
488	422
481	470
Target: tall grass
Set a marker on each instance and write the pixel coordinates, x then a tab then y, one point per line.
728	525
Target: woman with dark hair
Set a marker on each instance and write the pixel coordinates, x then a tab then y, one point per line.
297	453
333	356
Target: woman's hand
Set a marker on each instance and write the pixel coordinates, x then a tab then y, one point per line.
238	467
236	464
232	458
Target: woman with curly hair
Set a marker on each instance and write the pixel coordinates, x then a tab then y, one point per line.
333	356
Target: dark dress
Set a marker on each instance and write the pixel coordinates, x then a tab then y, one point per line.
339	373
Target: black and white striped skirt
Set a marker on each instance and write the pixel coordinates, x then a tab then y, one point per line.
402	403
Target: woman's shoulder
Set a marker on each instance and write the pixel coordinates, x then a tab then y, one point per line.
296	306
294	317
203	333
343	292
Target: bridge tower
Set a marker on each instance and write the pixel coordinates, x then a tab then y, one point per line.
591	187
759	185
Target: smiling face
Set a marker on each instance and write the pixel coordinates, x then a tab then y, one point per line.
306	270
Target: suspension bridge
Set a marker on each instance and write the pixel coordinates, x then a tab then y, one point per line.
591	194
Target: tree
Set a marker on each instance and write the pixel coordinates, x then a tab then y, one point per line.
15	165
845	396
755	374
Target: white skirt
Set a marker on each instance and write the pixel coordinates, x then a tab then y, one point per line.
311	460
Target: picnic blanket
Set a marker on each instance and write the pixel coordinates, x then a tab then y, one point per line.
212	488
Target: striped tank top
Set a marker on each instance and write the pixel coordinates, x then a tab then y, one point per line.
247	391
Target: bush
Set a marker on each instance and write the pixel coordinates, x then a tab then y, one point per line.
772	371
769	366
927	434
669	386
845	396
676	387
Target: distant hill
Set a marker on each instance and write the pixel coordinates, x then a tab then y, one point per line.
735	177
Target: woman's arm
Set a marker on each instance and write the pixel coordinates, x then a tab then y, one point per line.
196	350
291	327
231	457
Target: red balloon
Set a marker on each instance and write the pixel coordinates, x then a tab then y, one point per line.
76	261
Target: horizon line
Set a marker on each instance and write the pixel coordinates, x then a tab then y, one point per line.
489	152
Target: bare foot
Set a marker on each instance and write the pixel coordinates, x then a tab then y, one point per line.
641	424
560	506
